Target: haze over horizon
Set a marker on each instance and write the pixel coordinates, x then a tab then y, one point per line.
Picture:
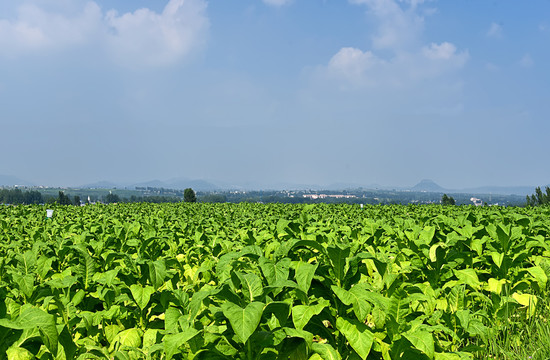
275	91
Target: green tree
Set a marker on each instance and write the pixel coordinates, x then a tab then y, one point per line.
63	199
111	198
447	200
189	195
76	200
539	198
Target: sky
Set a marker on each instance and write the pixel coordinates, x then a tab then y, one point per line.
385	92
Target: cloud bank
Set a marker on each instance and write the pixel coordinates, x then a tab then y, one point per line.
140	38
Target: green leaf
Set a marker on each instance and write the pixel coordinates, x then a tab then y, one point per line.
275	273
437	252
25	283
526	300
86	268
35	317
426	235
468	277
358	335
497	258
503	237
141	295
252	285
157	273
171	317
111	331
128	337
338	256
67	343
303	273
150	338
325	351
173	341
243	321
356	297
301	314
422	340
495	286
18	353
43	265
540	276
280	309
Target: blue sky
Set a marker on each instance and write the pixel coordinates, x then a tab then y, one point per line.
300	91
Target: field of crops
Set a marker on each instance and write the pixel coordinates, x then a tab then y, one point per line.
253	281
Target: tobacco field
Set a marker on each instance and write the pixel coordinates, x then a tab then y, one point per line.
275	281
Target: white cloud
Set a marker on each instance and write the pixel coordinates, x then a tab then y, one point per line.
142	37
352	63
277	2
526	61
443	51
36	29
157	39
495	31
399	34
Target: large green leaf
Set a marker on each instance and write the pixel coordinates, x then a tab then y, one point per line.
358	335
540	276
338	256
25	283
422	340
157	273
172	342
356	296
243	321
325	351
468	277
251	285
275	273
128	337
34	317
86	268
141	295
304	272
19	353
301	314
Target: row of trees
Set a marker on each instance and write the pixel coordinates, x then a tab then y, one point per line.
539	198
17	197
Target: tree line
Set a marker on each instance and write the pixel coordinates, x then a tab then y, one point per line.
539	198
19	197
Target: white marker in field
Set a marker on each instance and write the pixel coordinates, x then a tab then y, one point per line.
49	213
361	206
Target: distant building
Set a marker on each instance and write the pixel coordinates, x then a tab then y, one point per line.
476	201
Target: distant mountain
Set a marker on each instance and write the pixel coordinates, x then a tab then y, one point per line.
427	185
197	185
152	183
9	180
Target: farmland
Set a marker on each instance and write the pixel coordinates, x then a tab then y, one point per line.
276	281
